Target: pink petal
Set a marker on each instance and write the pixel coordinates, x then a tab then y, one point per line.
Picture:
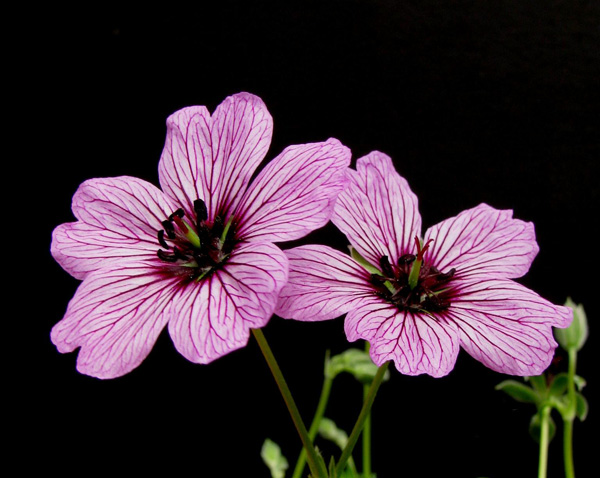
213	158
115	317
323	284
416	343
483	240
119	217
378	212
506	326
295	193
214	317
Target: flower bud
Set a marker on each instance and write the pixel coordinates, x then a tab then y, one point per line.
574	336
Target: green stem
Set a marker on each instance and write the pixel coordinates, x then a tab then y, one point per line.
317	466
568	448
366	440
314	426
544	441
570	417
366	434
360	422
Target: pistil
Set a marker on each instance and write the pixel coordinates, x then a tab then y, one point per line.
415	271
187	231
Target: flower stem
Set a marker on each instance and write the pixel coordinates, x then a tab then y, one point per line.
366	434
544	441
314	426
316	464
362	417
366	441
570	417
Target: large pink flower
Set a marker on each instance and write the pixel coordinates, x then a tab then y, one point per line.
198	255
418	301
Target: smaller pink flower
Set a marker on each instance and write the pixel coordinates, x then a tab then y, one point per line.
417	301
197	255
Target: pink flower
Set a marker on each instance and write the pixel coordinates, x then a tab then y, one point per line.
418	301
198	255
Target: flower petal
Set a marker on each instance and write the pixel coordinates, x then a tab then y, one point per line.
214	316
483	240
506	326
295	193
115	317
323	284
213	158
119	217
417	343
378	212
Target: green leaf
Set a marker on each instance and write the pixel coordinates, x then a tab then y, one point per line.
576	334
559	385
332	473
581	406
539	383
272	457
356	362
535	428
519	391
330	431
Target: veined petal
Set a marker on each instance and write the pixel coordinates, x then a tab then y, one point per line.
416	343
213	158
129	206
323	284
115	317
483	240
118	217
186	164
295	193
215	315
506	326
80	248
378	212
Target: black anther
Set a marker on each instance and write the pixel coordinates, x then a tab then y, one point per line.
406	259
200	209
165	256
179	213
169	229
161	239
386	267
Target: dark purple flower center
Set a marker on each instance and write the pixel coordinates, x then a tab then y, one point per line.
191	247
414	285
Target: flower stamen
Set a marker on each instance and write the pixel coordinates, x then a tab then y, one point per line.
195	247
413	284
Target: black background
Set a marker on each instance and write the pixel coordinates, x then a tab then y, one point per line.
476	101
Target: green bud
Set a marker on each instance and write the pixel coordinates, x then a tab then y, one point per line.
330	431
272	457
574	336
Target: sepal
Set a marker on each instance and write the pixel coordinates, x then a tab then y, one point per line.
535	427
581	406
354	361
519	391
